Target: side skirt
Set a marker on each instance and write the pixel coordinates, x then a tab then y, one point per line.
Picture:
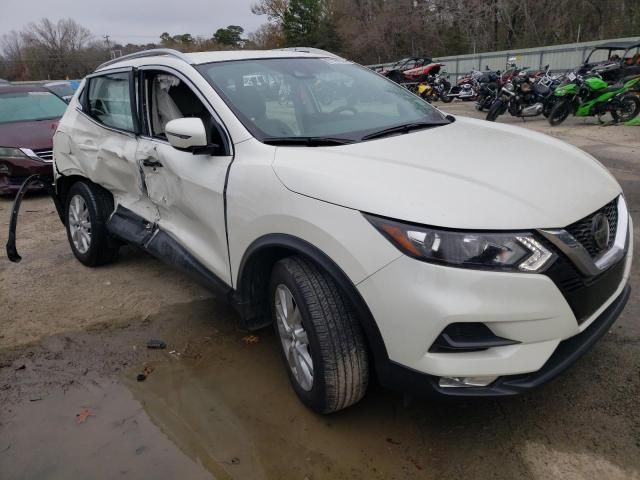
134	229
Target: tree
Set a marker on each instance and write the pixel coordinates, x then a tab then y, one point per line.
302	22
273	9
230	36
56	49
268	36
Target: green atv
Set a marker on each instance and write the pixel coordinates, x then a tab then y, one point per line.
592	96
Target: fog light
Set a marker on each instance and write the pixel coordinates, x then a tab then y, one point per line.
482	381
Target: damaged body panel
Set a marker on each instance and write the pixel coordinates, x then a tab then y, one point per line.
132	228
299	198
179	184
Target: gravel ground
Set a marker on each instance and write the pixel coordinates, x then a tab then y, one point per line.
72	341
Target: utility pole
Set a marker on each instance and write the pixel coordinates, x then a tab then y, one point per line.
106	39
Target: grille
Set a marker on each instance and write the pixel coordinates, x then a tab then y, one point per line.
584	295
581	230
44	153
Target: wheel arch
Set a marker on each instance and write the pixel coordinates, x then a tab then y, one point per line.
62	186
255	271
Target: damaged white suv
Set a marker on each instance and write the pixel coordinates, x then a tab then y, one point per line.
381	237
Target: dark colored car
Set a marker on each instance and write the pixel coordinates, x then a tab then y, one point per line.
28	119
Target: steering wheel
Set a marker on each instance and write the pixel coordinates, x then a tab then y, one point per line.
346	109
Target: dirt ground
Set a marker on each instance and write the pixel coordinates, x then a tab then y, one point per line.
72	341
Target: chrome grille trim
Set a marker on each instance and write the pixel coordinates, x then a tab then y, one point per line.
43	154
579	255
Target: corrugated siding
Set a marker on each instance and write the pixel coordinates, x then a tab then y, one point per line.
560	57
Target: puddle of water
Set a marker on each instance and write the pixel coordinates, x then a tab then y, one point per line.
234	411
225	409
231	408
43	440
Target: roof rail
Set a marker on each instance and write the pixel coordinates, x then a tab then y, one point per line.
149	53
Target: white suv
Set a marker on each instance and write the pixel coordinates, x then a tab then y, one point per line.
380	236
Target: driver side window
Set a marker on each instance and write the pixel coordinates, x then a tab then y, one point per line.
168	98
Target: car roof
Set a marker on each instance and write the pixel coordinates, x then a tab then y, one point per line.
198	58
21	88
618	45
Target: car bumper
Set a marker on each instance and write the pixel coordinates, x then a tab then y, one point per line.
397	377
413	302
22	169
10	185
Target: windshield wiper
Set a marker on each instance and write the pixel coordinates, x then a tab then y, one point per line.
406	128
307	141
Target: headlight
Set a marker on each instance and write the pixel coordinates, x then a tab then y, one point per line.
9	152
518	251
509	86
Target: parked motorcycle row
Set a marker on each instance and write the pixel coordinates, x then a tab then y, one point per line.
592	89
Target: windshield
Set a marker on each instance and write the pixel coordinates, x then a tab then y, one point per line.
28	106
315	98
62	89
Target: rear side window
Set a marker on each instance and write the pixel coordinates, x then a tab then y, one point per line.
109	101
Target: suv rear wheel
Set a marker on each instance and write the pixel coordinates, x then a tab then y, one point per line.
320	338
87	210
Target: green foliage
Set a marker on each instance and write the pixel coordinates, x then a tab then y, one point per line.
184	40
230	36
302	22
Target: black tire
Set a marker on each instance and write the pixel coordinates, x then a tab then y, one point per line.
446	98
547	106
102	247
336	343
627	109
559	112
497	109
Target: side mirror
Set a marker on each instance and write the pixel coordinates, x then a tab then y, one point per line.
189	134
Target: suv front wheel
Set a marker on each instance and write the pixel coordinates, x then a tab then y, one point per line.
320	338
87	210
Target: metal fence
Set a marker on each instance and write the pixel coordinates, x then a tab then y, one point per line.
561	58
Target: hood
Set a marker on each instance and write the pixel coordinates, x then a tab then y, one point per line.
34	135
470	174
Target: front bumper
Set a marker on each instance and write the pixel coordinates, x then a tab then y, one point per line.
413	302
21	169
397	377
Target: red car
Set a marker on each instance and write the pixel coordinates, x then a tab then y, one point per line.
28	119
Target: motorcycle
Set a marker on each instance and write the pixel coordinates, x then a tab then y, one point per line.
592	96
441	87
489	87
426	91
525	96
466	88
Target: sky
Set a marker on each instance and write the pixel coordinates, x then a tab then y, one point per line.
134	21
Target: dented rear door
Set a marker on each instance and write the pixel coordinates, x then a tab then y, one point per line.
105	124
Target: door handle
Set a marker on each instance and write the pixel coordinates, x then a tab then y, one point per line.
150	162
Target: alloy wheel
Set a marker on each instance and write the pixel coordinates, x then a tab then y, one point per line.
79	224
294	338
